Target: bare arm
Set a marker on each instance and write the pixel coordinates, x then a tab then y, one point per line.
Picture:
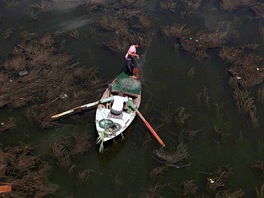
107	99
133	54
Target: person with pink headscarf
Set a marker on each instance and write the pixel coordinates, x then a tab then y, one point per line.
131	53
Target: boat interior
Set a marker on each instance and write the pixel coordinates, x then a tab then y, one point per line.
127	87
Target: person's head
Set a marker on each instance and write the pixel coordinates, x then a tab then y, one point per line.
137	44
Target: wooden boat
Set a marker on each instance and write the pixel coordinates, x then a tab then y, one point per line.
108	125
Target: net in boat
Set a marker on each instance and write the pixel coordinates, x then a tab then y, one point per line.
109	125
130	84
126	84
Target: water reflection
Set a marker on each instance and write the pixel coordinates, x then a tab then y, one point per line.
75	23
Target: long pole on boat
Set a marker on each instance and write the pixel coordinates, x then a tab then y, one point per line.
76	109
81	108
146	123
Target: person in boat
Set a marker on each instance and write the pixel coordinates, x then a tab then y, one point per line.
131	53
118	104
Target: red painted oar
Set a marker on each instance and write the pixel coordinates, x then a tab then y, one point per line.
150	128
146	123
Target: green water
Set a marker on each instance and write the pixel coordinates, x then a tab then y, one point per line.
124	167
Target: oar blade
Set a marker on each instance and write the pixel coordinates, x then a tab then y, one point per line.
146	123
61	114
75	110
150	129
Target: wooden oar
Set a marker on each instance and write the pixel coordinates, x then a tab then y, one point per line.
79	108
146	123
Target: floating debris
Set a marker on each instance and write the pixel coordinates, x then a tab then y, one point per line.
5	189
63	95
177	159
23	73
211	181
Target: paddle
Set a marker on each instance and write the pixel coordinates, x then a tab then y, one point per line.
146	123
80	108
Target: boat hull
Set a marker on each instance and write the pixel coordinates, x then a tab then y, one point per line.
109	126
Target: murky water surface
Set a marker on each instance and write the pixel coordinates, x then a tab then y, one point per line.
225	137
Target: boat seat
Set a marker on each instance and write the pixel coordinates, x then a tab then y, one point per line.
108	106
110	115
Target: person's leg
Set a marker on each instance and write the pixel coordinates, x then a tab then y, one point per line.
130	67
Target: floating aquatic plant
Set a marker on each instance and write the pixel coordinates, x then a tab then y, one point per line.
43	6
218	178
168	5
112	24
244	101
261	94
81	144
61	154
153	192
6	34
100	140
189	188
232	5
258	165
32	75
177	30
143	23
260	191
27	174
11	3
117	45
74	34
7	125
181	116
84	175
118	182
191	73
34	15
192	5
229	194
93	5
